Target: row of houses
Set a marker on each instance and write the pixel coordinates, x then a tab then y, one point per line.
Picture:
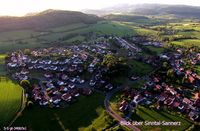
61	72
159	93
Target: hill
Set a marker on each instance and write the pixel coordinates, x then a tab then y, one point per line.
180	11
46	19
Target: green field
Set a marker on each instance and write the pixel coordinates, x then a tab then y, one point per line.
140	68
197	68
86	113
187	42
112	28
14	35
23	39
68	27
147	114
157	50
10	100
138	84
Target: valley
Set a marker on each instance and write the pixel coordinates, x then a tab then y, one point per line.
65	70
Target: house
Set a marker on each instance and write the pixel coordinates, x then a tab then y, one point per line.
64	77
44	102
181	107
109	87
64	88
158	87
138	98
48	75
171	90
165	57
66	97
169	100
123	106
56	99
191	79
193	115
92	82
12	65
71	86
86	91
162	97
176	104
187	101
134	78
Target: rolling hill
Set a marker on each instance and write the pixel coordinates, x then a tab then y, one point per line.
46	19
179	11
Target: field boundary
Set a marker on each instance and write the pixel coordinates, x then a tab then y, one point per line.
23	105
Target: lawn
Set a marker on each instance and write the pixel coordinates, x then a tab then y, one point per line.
147	114
139	30
112	28
15	45
86	113
68	27
10	100
76	38
157	50
54	36
19	34
137	85
140	68
187	42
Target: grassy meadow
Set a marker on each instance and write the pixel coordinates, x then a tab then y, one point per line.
146	114
140	68
86	114
23	39
10	100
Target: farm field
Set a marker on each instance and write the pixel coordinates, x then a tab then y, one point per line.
147	114
88	113
112	28
187	42
10	100
19	34
23	39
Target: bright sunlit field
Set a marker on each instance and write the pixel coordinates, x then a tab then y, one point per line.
10	100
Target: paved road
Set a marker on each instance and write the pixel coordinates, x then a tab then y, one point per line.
114	114
132	46
23	105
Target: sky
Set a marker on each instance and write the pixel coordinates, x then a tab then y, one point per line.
22	7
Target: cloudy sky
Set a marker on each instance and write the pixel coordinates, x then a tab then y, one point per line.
22	7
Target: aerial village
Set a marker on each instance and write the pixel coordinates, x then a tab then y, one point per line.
65	73
158	92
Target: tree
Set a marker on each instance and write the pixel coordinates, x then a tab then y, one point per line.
27	52
29	104
25	84
170	73
110	61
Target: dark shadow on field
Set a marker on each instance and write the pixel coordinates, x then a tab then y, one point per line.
77	115
136	117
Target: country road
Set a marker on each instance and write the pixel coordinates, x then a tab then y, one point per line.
114	114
